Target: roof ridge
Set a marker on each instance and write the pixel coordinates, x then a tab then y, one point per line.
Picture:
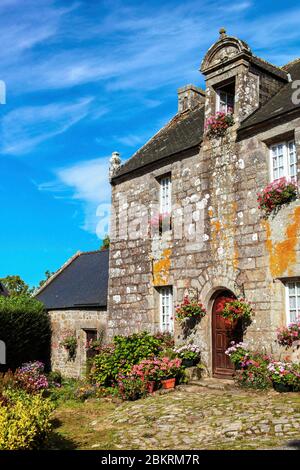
292	62
92	251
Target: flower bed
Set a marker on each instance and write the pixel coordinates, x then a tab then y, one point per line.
288	335
217	125
190	309
31	377
260	371
275	194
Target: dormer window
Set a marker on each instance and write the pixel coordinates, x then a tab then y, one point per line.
225	98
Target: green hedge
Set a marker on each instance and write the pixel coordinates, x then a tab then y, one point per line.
25	329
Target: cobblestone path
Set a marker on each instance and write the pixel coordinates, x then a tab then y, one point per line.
193	418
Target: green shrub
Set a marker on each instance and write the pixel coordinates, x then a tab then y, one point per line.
25	329
123	354
24	421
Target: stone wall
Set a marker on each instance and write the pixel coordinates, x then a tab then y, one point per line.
73	322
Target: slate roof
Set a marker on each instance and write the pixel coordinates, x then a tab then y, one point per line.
280	104
81	282
184	131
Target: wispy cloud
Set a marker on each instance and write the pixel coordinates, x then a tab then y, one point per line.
26	127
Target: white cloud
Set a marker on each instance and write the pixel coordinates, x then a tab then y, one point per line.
86	182
24	128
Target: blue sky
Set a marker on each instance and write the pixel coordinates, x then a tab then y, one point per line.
85	78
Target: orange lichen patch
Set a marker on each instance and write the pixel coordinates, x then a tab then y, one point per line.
161	269
283	254
217	225
235	259
210	212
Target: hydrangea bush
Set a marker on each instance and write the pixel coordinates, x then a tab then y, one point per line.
275	194
189	352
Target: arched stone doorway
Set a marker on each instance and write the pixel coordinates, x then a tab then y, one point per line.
222	335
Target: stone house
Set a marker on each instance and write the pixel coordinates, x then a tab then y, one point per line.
185	216
76	299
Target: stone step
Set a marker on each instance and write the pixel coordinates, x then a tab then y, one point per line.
214	384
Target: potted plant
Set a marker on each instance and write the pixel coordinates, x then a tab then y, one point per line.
190	309
233	310
189	354
275	194
289	335
70	344
217	125
169	370
285	376
148	370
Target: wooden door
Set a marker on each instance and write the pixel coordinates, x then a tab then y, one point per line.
221	338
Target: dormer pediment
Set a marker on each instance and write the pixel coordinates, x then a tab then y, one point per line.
224	50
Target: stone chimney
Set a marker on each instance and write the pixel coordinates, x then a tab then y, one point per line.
189	97
114	164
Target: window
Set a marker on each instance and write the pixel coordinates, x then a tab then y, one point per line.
166	309
283	160
91	335
165	194
225	98
292	301
165	202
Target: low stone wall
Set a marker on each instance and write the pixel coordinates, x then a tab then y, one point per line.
68	323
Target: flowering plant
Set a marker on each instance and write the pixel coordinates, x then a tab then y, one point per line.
189	352
235	309
217	125
288	335
147	370
190	308
275	194
30	377
237	352
93	345
130	387
70	344
169	368
285	373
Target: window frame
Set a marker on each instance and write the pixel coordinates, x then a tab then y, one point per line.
167	326
218	92
287	300
168	178
286	160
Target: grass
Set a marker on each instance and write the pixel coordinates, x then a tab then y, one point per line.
82	426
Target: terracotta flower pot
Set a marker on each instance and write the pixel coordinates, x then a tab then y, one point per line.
150	386
168	383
